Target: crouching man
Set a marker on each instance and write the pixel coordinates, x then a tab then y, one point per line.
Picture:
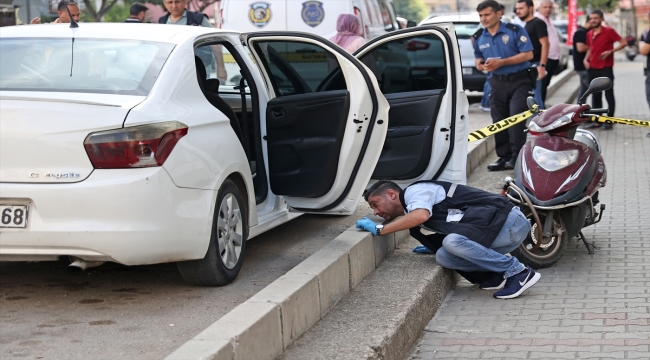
473	229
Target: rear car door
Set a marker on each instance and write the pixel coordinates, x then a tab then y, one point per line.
419	73
324	124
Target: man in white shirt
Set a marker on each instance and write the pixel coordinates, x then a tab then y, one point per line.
544	12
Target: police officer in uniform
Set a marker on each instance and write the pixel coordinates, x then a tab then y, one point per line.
474	229
505	50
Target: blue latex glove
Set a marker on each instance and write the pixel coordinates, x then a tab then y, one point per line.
422	250
367	225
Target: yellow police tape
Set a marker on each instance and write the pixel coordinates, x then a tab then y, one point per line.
613	120
501	125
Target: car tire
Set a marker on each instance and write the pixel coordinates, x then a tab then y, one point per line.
223	260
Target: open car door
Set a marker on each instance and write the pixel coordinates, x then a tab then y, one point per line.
324	125
419	73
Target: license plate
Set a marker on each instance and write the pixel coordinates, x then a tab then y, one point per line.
468	71
13	216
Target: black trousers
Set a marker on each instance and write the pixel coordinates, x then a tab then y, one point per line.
551	67
508	98
597	98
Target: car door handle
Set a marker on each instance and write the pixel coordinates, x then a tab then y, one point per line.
278	112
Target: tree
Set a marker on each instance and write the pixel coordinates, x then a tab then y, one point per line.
118	13
411	9
97	15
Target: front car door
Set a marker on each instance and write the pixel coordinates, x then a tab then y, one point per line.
324	125
419	73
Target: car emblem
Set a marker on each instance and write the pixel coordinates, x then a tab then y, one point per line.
505	39
313	13
58	175
260	14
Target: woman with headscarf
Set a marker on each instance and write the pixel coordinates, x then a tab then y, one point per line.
347	36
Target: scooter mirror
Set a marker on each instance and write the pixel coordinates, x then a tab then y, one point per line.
531	101
596	85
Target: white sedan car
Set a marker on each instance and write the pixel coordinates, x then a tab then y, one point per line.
118	142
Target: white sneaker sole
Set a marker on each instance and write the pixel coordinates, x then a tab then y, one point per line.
530	283
503	283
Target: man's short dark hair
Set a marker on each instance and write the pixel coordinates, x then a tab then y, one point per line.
529	3
599	13
64	3
137	8
380	188
489	4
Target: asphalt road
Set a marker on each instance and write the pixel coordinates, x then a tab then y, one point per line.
139	312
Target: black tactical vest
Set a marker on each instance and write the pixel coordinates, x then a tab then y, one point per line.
484	212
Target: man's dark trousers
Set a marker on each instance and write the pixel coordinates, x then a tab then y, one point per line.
551	67
597	98
507	98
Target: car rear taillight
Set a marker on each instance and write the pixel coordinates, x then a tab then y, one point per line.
415	45
134	147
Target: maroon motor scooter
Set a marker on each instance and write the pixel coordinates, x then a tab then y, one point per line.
557	177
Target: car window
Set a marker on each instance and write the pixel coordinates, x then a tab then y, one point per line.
386	16
409	64
95	66
298	67
221	64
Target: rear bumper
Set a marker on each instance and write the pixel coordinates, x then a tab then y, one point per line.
129	216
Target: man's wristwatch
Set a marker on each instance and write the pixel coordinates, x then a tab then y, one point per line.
379	228
543	65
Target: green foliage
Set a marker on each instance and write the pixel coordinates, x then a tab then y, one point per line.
605	5
411	9
117	13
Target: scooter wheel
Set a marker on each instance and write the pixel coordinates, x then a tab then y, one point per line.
549	252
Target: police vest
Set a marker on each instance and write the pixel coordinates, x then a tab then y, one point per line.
484	212
194	18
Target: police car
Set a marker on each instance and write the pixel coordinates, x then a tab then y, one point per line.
123	146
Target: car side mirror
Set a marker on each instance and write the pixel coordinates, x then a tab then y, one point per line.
411	23
531	101
597	85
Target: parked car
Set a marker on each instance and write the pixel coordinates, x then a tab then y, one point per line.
317	17
128	148
465	26
565	52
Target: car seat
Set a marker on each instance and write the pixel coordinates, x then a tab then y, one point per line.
208	88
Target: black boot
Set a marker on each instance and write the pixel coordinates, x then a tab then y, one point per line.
499	165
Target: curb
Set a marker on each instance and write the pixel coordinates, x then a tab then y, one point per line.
264	325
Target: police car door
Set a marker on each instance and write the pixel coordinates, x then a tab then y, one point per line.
419	73
325	122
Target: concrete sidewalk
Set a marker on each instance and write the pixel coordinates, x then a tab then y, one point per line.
587	306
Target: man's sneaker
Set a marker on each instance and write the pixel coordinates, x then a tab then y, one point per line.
517	284
484	108
494	283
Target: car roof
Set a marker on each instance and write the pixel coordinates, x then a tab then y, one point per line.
452	19
174	34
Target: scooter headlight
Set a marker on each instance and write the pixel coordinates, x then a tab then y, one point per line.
563	120
554	160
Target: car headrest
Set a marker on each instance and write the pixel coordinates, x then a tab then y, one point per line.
212	85
200	71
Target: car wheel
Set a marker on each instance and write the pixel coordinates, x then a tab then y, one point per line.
225	254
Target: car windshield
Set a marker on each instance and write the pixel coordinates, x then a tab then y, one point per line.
466	30
85	65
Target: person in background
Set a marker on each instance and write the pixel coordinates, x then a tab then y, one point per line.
537	30
505	50
644	49
544	13
64	17
347	36
485	99
599	61
579	51
137	13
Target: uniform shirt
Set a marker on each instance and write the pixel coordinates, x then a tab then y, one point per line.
536	29
423	196
600	43
508	41
183	20
553	38
580	36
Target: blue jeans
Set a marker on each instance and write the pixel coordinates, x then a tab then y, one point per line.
460	253
538	91
485	100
